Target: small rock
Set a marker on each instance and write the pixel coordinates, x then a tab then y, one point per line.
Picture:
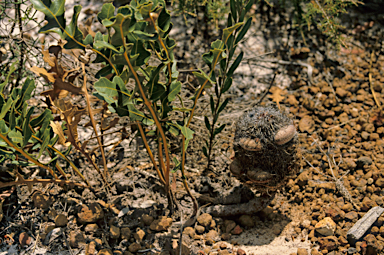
134	247
76	238
373	246
335	213
352	216
363	160
90	213
237	230
161	224
125	233
139	235
199	229
24	239
49	227
41	201
105	252
204	219
227	236
326	227
306	124
380	182
61	220
91	228
114	232
246	221
213	235
146	219
241	252
349	164
91	248
302	251
330	243
367	204
340	92
303	178
189	231
223	252
229	225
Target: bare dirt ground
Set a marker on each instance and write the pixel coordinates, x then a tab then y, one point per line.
335	98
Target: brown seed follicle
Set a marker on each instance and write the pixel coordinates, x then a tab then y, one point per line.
250	144
236	168
285	135
257	174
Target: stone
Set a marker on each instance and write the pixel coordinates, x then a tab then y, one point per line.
380	182
352	216
90	213
212	234
189	231
146	219
373	246
326	227
125	233
229	225
227	236
367	204
91	228
41	201
302	251
237	230
139	235
24	239
240	252
246	221
161	224
306	124
335	213
340	92
114	232
91	248
329	243
105	252
204	219
76	239
199	229
363	160
61	220
134	247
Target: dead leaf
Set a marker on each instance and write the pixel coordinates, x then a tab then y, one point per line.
277	95
51	61
57	129
105	126
49	77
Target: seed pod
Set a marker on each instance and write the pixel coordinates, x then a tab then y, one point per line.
285	135
258	174
235	168
250	144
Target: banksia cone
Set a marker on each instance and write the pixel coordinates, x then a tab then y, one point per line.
265	149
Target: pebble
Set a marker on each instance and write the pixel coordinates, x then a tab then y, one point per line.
161	224
240	252
90	213
237	230
227	236
302	251
134	247
91	228
306	124
367	204
61	220
204	219
329	243
139	235
114	232
189	231
76	239
41	201
246	221
229	225
326	227
352	216
212	234
125	233
147	219
199	229
24	239
380	182
105	252
335	213
91	248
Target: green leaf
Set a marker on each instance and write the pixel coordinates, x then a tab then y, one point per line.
73	35
207	125
174	89
140	50
135	114
106	70
107	12
227	85
212	103
177	164
54	14
223	105
145	36
46	139
243	30
25	92
203	78
46	116
232	4
235	64
103	45
3	127
12	68
107	90
205	151
219	129
121	25
229	30
15	136
186	131
27	131
6	107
